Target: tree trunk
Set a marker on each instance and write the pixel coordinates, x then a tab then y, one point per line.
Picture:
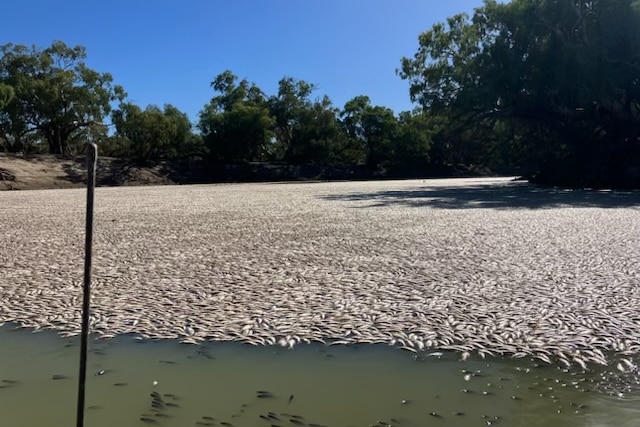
57	141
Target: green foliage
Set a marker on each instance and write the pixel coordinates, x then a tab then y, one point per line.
6	95
55	95
306	130
236	124
374	127
555	82
318	137
287	109
412	143
152	133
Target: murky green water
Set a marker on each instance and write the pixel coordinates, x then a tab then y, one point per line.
308	385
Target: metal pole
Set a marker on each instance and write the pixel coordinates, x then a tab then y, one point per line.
92	158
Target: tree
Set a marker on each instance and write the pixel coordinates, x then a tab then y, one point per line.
374	127
55	94
286	108
560	77
6	95
319	138
307	130
412	142
236	124
153	133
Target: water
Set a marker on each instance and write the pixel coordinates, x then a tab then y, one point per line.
312	384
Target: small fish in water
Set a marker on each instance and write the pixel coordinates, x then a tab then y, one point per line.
102	372
168	362
119	384
11	382
296	421
59	377
148	420
264	394
290	399
172	405
206	417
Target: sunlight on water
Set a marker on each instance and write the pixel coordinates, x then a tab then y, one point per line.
309	385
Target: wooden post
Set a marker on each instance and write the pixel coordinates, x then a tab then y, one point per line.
92	160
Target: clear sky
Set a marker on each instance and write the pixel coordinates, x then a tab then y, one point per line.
169	51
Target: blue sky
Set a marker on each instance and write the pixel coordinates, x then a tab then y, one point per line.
168	51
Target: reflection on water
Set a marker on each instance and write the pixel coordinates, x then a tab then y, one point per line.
241	385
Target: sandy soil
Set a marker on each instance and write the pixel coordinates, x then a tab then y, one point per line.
49	172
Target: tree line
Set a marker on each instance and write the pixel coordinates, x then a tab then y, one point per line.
550	87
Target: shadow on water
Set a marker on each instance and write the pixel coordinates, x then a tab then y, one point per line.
137	383
500	195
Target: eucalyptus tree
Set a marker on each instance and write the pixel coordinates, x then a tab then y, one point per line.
152	133
558	76
236	125
55	94
373	127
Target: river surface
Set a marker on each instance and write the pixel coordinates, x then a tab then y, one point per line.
134	383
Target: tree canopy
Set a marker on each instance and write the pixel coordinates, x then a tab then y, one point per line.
547	87
152	133
54	95
561	78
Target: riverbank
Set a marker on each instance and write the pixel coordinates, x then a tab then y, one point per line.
41	172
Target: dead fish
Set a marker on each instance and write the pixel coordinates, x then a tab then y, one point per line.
264	395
